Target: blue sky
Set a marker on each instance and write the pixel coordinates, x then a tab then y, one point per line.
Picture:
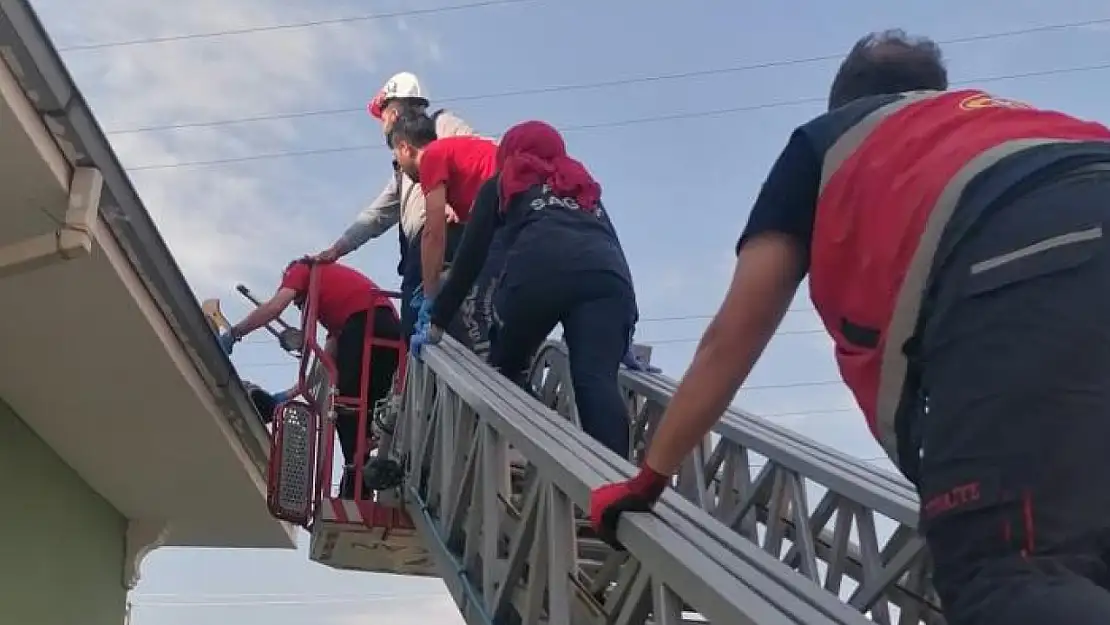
678	189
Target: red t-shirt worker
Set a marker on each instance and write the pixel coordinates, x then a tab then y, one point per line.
450	171
345	299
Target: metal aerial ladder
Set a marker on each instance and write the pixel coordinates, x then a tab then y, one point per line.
489	481
492	477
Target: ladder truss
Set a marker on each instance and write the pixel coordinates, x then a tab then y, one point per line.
495	483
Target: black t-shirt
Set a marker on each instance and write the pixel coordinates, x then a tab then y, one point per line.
787	203
541	234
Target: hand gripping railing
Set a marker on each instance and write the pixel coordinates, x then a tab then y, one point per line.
514	550
770	509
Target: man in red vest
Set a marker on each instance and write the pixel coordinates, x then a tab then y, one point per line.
955	251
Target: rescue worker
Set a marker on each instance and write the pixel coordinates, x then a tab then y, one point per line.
449	171
401	203
956	254
564	264
347	301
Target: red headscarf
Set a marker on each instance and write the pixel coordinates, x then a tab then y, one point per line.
532	153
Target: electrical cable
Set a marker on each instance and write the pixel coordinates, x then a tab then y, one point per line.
287	26
584	86
687	115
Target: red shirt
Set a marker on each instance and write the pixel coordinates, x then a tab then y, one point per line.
460	163
342	292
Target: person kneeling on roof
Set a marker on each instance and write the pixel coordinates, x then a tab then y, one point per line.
450	171
564	266
346	299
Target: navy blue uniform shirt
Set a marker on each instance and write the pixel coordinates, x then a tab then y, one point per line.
542	234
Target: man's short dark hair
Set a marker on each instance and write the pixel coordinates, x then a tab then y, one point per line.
406	106
888	62
418	129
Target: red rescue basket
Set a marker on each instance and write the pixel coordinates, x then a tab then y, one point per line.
362	533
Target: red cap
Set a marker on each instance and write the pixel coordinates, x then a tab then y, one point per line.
376	105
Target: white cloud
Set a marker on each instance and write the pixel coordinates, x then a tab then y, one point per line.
223	223
232	223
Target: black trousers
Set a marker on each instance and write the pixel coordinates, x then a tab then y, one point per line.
597	311
1015	459
383	366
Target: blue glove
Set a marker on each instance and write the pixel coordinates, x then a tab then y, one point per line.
428	335
417	342
424	314
227	342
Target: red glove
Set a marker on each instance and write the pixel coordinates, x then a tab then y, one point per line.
638	494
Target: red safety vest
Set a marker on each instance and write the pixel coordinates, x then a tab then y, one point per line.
889	186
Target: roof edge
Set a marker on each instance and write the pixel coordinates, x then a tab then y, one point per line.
49	85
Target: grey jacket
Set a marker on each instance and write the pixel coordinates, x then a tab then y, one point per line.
402	204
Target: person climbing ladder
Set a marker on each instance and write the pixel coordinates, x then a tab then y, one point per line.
401	202
564	265
956	250
449	171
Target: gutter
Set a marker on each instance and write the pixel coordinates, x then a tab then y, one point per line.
48	84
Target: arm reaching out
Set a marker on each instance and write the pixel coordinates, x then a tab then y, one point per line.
378	217
265	313
768	271
471	255
772	258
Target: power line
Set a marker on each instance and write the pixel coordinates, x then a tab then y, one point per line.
617	82
225	596
760	465
275	602
668	319
806	413
746	387
806	309
695	340
286	26
291	363
600	125
259	599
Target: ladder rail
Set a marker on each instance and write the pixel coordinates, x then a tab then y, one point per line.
890	575
522	551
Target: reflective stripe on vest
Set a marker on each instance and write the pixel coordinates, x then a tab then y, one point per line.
850	141
892	366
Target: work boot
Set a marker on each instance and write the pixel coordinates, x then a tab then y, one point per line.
263	402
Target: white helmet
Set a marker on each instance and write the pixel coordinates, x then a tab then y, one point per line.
400	85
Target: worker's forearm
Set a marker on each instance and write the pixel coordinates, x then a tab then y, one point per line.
255	319
360	232
374	220
345	244
705	393
431	260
